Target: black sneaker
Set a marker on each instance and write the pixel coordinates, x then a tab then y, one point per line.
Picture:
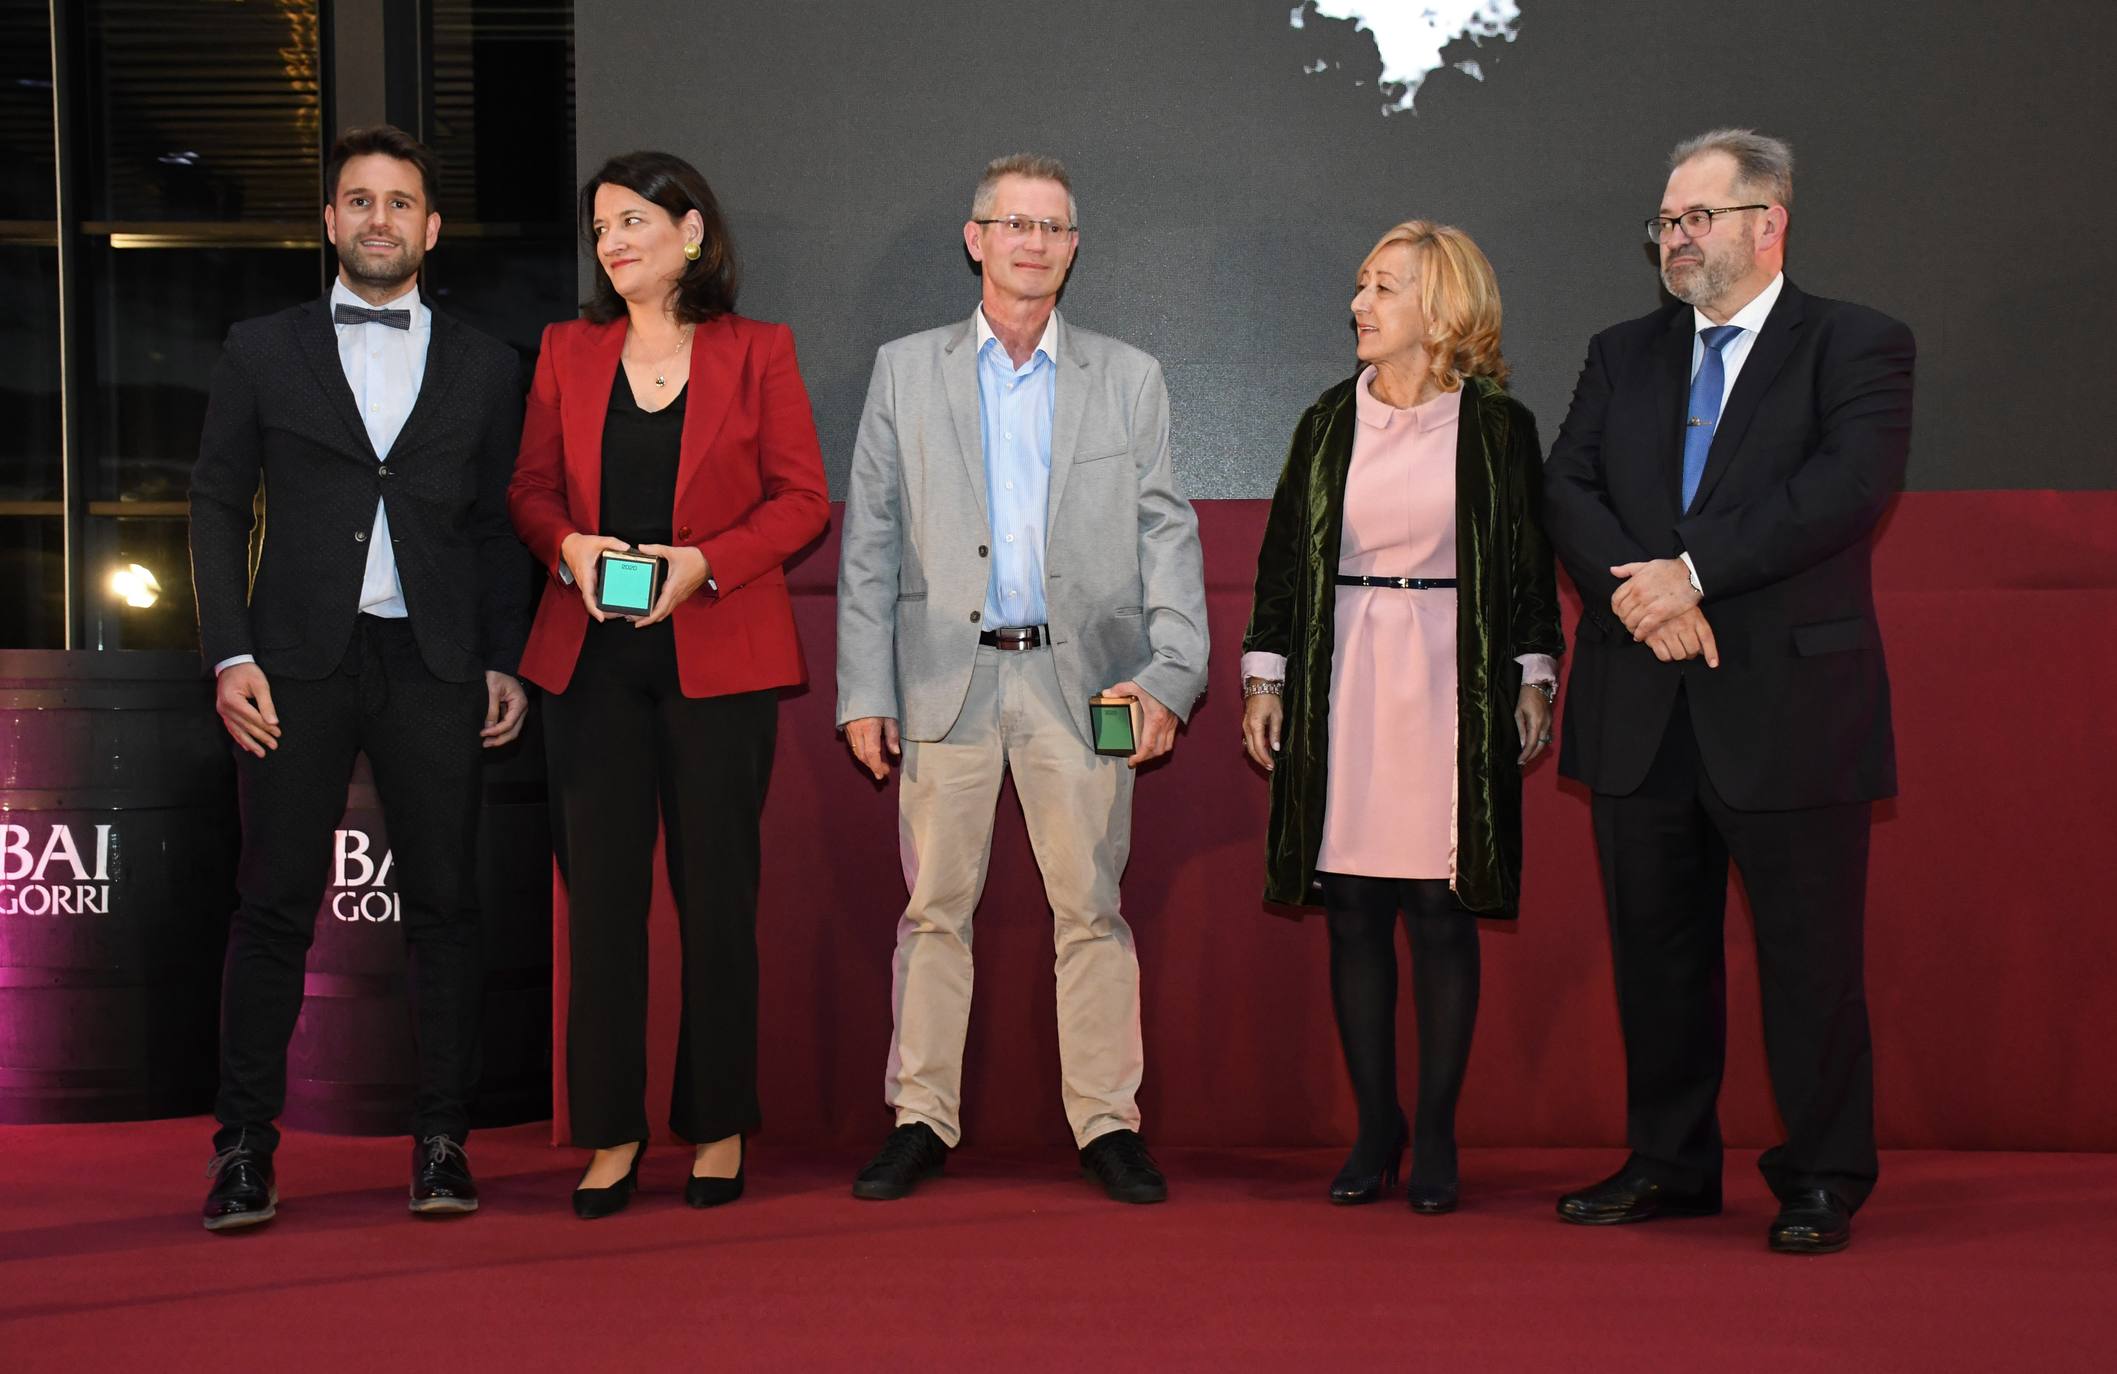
244	1191
441	1181
911	1153
1120	1162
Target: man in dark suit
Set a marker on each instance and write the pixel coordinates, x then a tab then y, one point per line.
1714	492
387	613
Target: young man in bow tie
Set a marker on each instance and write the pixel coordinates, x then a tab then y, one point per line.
386	616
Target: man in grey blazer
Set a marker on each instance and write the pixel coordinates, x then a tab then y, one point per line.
1015	543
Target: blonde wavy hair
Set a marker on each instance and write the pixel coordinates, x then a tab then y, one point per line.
1460	297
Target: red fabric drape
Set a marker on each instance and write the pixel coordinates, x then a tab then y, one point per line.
1992	948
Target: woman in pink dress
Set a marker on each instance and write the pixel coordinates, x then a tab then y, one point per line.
1398	674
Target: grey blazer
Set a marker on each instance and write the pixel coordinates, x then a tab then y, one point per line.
1124	584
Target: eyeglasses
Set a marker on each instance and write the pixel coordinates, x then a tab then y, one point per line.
1696	223
1021	225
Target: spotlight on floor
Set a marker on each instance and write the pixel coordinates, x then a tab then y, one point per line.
135	586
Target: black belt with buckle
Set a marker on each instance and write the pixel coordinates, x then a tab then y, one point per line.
1410	584
1015	637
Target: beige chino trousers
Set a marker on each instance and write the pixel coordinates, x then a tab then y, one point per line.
1078	806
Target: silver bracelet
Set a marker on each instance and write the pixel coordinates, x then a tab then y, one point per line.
1263	687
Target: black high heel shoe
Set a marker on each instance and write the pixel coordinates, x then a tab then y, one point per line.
1435	1197
1354	1186
717	1192
591	1204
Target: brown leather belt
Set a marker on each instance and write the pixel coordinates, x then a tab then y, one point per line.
1015	638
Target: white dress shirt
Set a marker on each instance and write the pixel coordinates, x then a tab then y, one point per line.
1735	352
383	367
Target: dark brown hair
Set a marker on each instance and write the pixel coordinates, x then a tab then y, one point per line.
706	288
389	141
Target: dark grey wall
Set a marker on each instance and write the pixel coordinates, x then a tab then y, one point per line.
1953	171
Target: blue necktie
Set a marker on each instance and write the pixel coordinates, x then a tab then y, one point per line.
1705	407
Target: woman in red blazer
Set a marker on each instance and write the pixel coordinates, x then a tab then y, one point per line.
664	423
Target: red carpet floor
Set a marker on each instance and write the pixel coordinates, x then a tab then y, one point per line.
1964	1261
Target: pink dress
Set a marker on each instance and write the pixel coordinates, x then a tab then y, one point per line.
1389	810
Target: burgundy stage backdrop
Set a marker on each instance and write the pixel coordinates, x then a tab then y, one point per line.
1991	941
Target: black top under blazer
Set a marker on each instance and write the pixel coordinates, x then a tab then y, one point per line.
280	408
1808	454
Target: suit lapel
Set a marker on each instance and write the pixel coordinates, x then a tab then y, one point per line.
1671	401
319	346
1774	343
444	354
959	380
1070	381
717	355
584	427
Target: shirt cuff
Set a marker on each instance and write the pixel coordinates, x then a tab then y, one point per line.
1538	668
1692	569
225	664
1269	667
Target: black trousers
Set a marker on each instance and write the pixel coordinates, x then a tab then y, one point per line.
421	738
624	739
1665	851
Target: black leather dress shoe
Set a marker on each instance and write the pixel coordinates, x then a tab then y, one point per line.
244	1191
593	1204
718	1192
910	1154
441	1181
1629	1195
1812	1222
1120	1162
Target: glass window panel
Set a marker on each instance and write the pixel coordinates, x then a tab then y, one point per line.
156	321
33	574
503	110
503	140
509	288
201	111
30	460
150	560
27	191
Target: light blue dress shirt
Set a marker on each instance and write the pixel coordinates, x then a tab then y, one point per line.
1015	407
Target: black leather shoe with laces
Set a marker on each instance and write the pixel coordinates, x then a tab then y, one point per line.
911	1153
441	1181
244	1191
1120	1162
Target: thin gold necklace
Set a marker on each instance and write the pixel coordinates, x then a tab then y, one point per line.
661	368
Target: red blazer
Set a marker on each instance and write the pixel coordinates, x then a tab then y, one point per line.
749	494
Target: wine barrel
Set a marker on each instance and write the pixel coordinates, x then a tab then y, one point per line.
353	1063
118	845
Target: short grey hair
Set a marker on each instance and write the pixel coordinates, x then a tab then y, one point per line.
1762	163
1036	167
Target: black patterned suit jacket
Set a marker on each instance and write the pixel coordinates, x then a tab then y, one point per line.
280	411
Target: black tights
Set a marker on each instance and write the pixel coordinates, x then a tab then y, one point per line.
1362	913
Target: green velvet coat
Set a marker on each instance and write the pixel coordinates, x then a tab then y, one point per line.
1507	605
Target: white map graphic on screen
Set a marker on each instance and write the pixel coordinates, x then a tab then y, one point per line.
1412	34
